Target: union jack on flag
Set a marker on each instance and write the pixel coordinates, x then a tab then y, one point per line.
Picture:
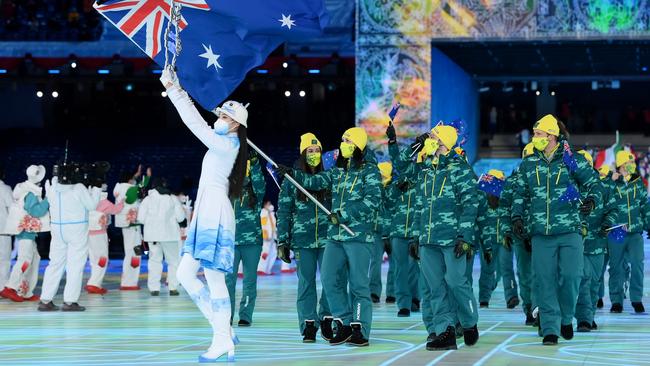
145	21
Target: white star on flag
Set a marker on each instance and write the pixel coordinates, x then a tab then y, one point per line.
287	21
213	60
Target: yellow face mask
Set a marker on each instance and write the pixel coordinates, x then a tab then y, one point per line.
313	159
347	149
631	168
430	147
540	143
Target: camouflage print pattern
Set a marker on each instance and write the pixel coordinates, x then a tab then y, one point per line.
543	181
248	226
356	196
489	224
631	199
300	222
605	215
400	205
446	201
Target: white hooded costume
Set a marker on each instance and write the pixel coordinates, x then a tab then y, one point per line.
160	214
132	236
70	207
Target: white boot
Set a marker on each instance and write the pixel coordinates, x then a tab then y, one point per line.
222	334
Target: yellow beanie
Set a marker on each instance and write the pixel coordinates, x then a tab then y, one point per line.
587	156
529	150
548	124
386	170
446	134
358	137
604	169
623	157
307	140
498	174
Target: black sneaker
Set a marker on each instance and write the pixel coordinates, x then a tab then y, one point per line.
357	338
583	327
155	293
594	326
484	305
415	305
471	335
638	307
444	341
244	323
343	334
567	331
72	307
600	304
390	299
530	319
513	302
173	293
403	313
431	337
326	331
309	334
550	340
616	308
47	306
458	330
374	298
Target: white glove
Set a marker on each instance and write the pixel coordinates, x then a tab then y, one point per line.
169	79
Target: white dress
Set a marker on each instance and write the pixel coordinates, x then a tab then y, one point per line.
211	233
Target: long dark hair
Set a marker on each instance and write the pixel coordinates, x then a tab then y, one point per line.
238	173
357	159
301	163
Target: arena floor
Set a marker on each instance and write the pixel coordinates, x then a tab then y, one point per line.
132	328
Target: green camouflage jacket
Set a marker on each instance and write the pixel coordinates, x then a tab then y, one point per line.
446	201
604	215
489	223
632	202
400	205
300	223
248	226
541	184
356	195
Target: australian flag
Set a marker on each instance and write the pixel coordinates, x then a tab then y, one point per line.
220	40
617	234
274	174
570	195
491	185
568	158
329	159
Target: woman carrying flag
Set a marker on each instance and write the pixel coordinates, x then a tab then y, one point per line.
303	229
547	186
634	211
211	235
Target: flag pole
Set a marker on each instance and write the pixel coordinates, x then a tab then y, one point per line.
297	185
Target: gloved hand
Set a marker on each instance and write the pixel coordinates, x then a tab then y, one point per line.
518	228
507	242
253	156
604	231
169	79
414	248
404	186
284	170
336	218
587	206
419	142
528	245
462	248
284	252
388	249
391	134
487	255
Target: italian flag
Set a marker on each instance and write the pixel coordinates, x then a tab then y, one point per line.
608	156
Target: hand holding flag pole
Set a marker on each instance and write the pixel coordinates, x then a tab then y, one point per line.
297	185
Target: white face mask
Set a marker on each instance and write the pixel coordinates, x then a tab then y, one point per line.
104	187
221	127
270	207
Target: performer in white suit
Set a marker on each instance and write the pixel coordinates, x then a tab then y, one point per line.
6	200
161	213
127	191
210	239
